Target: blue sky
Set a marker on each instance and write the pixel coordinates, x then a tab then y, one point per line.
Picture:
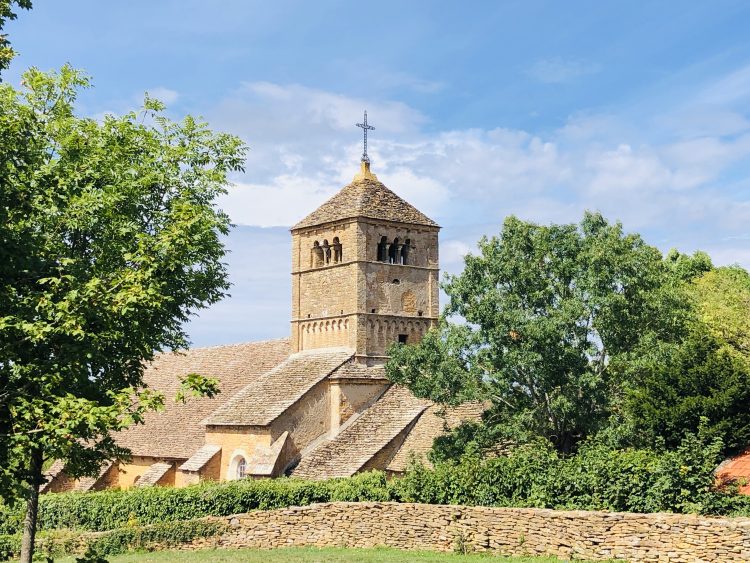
482	109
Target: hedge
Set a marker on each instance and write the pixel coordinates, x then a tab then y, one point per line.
107	510
597	478
113	542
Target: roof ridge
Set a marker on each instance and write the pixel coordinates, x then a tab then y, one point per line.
279	388
217	346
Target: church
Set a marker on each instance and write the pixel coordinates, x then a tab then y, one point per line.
318	404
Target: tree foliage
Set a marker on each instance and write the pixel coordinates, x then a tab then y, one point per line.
547	311
109	241
706	375
7	12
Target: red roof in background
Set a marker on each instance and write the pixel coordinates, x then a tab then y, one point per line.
736	468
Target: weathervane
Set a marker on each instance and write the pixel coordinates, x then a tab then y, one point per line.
365	127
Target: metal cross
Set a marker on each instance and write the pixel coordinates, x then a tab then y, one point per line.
365	127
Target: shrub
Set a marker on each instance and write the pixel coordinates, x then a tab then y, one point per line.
58	544
107	510
597	478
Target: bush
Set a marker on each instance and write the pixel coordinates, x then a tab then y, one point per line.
597	478
107	510
113	542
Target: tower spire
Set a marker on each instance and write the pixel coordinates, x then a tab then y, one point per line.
365	127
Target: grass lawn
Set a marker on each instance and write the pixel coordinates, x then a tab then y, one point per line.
310	555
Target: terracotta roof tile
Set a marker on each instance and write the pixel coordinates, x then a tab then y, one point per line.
365	197
176	432
359	441
262	401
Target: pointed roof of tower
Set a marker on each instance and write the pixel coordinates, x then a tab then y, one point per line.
365	196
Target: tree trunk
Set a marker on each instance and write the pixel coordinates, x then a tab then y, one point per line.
32	506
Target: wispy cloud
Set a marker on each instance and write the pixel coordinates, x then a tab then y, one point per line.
165	95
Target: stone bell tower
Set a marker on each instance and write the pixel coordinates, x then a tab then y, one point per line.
364	271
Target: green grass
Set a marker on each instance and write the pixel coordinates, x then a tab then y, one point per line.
312	555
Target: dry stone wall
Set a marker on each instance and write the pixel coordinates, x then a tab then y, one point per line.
506	531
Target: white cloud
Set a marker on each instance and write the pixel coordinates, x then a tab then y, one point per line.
165	95
557	70
304	147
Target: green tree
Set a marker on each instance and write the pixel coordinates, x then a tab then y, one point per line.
7	13
109	240
704	376
548	312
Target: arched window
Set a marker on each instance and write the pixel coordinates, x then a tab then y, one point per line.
394	252
318	256
383	250
338	250
327	251
405	251
241	468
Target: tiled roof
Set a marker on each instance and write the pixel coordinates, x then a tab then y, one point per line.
366	196
54	470
360	371
153	474
176	432
262	401
265	459
359	441
89	483
429	426
200	458
736	469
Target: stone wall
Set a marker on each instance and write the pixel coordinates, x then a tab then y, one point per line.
507	531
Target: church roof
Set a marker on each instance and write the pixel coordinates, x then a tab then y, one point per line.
429	426
365	436
261	402
176	432
366	196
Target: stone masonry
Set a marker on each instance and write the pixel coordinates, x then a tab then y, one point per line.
502	531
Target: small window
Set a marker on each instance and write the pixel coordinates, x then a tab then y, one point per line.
396	281
338	250
419	313
241	469
405	251
317	255
394	252
372	311
383	250
402	338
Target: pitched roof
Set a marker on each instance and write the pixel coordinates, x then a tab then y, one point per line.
259	403
176	432
736	469
200	458
89	483
153	474
360	372
430	425
366	196
361	440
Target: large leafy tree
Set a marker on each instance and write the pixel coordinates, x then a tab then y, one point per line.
704	377
537	324
109	241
